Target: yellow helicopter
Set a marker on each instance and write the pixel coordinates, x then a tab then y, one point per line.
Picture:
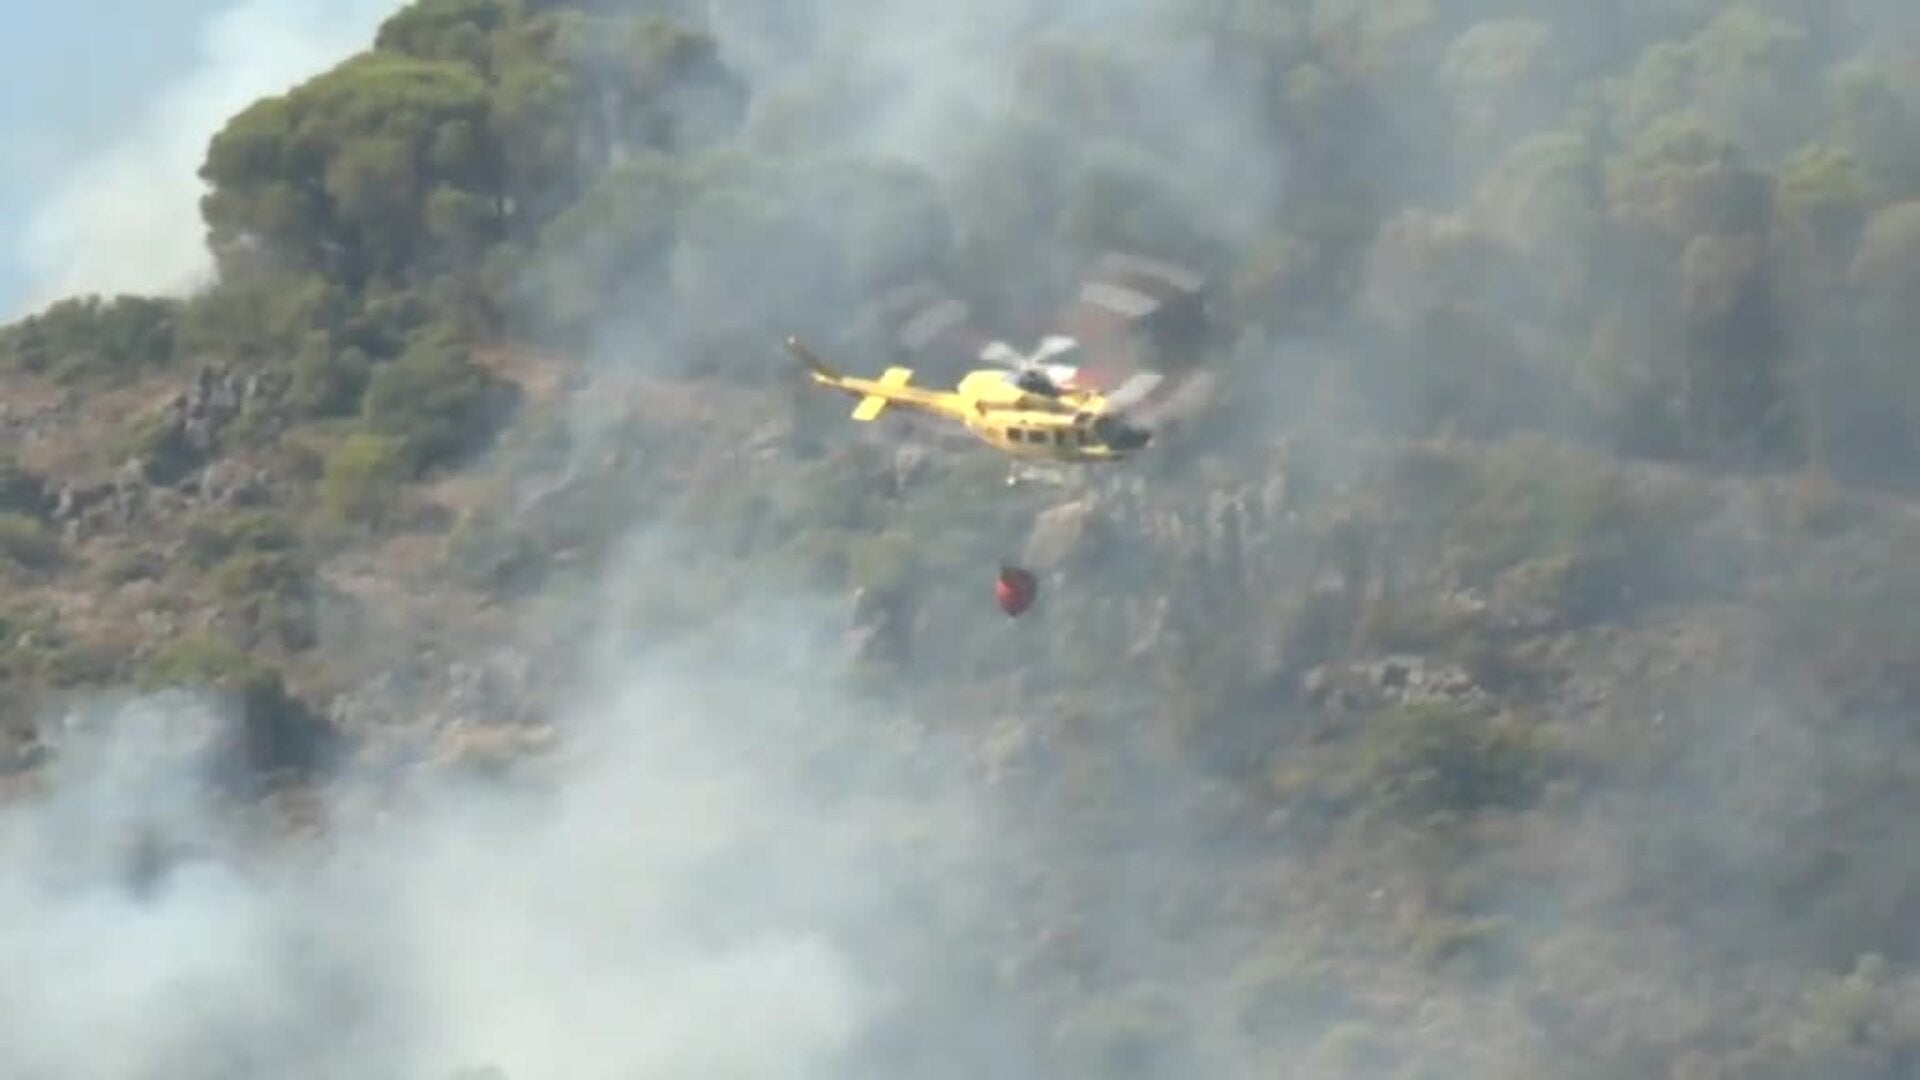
1027	408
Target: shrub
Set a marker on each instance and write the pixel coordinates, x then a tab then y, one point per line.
273	592
1136	1034
276	731
215	538
436	403
28	543
1528	501
197	659
362	479
91	336
21	491
1425	761
497	558
327	383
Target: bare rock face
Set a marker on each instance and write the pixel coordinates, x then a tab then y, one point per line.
882	630
231	484
1013	753
909	464
1063	534
87	508
73	500
475	692
1148	628
464	713
190	430
177	463
771	441
367	707
491	747
1388	681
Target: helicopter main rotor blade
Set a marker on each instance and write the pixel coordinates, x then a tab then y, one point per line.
1004	355
1133	391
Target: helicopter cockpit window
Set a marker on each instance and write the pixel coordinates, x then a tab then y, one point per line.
1119	435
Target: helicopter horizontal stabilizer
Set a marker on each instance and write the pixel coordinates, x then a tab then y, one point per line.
873	405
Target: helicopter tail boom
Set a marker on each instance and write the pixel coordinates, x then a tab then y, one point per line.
821	372
875	396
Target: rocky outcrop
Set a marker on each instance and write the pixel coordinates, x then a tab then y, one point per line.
477	713
29	422
231	484
188	432
1161	562
83	509
1062	534
882	630
909	464
1389	681
178	463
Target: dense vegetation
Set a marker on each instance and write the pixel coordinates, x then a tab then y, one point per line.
1544	575
491	166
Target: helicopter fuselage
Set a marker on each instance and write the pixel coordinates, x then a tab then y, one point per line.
1005	410
1050	424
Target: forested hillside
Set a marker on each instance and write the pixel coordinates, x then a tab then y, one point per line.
1512	674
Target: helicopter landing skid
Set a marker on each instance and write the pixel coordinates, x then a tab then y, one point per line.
1036	474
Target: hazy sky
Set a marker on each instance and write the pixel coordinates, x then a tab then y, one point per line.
108	105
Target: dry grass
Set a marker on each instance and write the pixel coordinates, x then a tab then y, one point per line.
541	375
84	448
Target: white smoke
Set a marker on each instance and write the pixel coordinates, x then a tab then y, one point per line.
680	893
126	218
